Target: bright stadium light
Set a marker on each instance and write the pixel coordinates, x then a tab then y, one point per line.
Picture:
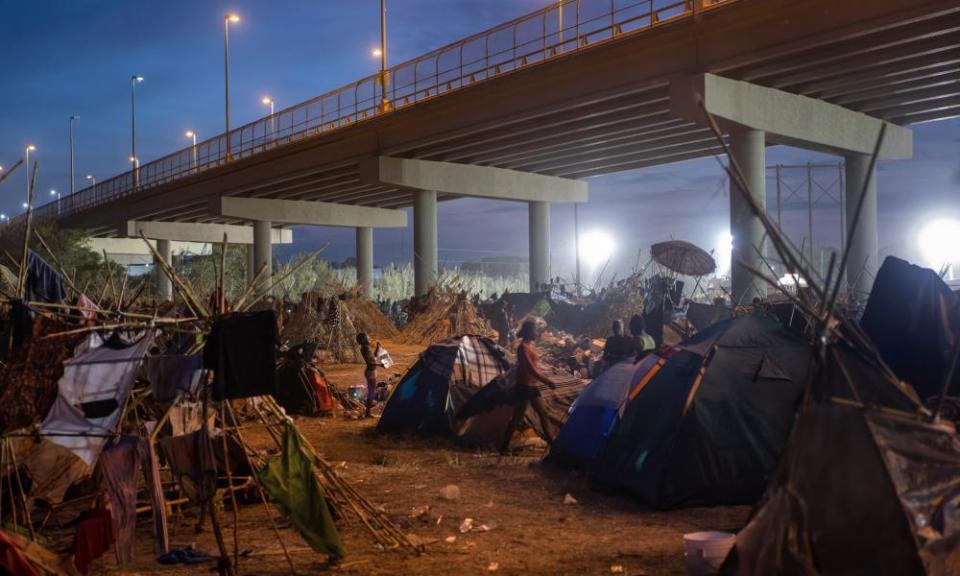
939	243
596	248
723	253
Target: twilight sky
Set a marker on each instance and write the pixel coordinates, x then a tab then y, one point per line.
75	57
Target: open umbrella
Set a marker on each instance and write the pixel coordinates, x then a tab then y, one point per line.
683	257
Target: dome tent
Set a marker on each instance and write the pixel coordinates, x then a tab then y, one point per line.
430	394
707	425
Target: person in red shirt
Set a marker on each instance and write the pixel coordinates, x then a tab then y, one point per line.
527	391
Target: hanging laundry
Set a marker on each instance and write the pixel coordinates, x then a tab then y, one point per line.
118	466
43	283
185	417
12	560
95	534
242	352
173	373
290	480
194	467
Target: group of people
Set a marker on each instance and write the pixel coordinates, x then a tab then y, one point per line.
620	347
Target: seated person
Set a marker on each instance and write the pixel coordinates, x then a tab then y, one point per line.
618	347
643	343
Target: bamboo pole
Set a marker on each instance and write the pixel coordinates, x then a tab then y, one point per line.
180	284
22	276
288	273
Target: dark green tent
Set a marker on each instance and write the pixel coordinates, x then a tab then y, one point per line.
709	422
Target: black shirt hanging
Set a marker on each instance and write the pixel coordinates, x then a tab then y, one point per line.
242	352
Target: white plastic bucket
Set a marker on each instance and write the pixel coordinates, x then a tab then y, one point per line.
706	551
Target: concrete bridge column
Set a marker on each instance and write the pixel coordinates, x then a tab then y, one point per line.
424	240
365	260
863	261
539	229
251	267
164	286
748	148
263	248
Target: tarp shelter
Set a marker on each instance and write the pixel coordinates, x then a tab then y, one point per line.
867	485
913	318
92	395
432	391
596	411
301	388
707	425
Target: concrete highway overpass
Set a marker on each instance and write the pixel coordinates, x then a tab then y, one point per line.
526	111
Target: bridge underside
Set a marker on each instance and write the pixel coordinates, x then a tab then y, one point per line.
605	109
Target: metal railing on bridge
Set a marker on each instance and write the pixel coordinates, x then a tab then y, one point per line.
564	27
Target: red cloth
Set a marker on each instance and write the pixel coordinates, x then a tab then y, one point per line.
96	532
12	560
528	362
324	398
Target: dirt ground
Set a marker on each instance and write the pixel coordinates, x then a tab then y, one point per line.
521	502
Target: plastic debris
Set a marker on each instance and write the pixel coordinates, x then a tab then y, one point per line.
616	569
450	539
466	525
493	567
569	500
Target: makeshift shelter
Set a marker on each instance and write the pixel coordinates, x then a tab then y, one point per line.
443	314
428	397
706	425
913	318
596	411
867	484
302	389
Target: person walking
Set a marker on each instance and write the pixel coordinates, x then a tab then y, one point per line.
526	392
370	372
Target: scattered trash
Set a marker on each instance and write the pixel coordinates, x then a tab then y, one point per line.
450	539
439	519
493	567
466	525
489	504
419	511
484	527
616	569
450	492
569	500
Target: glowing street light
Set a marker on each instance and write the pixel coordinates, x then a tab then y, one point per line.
26	162
134	80
57	194
939	244
268	101
193	136
92	179
227	20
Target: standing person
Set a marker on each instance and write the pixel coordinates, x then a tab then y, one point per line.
370	372
526	392
644	342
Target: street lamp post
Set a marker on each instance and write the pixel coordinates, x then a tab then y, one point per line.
226	74
72	180
268	101
92	179
193	135
134	80
26	161
384	101
57	194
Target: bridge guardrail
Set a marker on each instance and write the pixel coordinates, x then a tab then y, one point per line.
564	27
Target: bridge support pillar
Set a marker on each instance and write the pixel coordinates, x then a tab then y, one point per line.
164	286
263	249
748	148
539	229
425	267
863	261
365	260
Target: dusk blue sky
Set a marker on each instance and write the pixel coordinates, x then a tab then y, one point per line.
75	57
